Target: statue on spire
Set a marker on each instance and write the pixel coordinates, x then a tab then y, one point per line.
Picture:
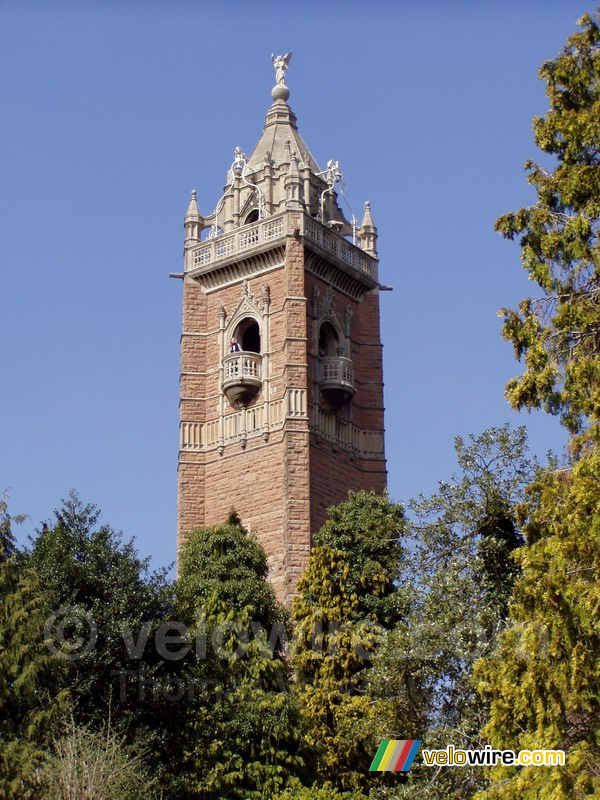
281	63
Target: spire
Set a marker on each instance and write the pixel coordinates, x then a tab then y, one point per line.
193	221
293	185
367	221
280	125
368	232
192	212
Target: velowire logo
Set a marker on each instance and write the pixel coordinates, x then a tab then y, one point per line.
395	755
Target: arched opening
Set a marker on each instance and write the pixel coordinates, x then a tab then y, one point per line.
247	334
242	364
335	370
252	217
329	341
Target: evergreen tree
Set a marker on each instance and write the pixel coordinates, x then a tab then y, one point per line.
558	334
105	609
225	560
544	680
242	732
32	705
345	597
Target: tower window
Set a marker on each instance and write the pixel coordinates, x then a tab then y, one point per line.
252	217
329	341
247	334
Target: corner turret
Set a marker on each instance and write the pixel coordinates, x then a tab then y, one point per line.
293	186
368	232
193	222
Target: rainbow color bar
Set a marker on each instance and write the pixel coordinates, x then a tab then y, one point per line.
395	755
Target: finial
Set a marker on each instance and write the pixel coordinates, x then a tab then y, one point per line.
192	211
280	91
368	217
239	162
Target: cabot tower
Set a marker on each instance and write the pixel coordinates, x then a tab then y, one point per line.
281	370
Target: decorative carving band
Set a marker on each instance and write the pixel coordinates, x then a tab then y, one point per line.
345	435
239	270
347	282
249	423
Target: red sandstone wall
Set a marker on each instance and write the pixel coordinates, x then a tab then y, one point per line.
281	488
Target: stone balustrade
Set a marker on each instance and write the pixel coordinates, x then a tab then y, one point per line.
239	241
243	241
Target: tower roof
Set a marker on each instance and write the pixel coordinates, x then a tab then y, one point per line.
281	127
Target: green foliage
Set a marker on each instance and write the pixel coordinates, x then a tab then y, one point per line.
544	680
99	765
31	702
90	575
242	732
462	573
85	566
558	334
367	528
345	596
225	560
322	792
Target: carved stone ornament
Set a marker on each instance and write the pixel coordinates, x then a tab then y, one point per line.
316	300
266	295
281	63
347	320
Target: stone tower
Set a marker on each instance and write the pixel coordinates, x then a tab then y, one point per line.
282	422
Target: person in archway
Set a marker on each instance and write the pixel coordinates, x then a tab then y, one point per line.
234	346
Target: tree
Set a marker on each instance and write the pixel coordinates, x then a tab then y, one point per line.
226	560
101	604
32	704
346	596
544	680
241	735
461	574
558	334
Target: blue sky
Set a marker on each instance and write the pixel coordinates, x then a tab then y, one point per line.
112	113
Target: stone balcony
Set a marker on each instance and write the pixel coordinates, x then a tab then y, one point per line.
259	247
242	377
324	240
336	380
239	242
